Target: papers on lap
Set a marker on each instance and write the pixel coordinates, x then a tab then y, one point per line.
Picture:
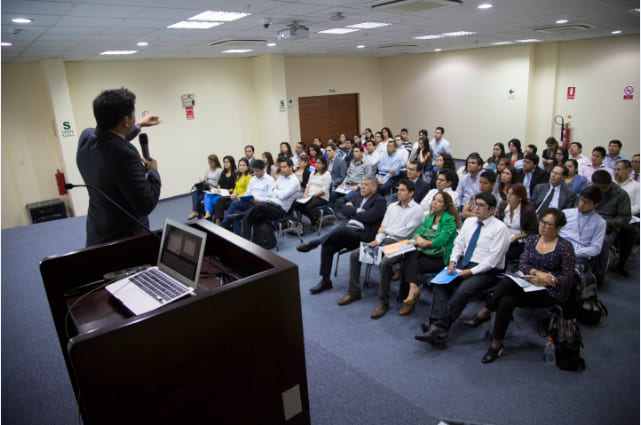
518	278
444	277
345	189
370	255
221	192
398	248
304	200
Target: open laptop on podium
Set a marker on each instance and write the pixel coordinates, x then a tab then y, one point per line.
175	275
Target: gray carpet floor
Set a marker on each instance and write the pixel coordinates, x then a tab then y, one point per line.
360	371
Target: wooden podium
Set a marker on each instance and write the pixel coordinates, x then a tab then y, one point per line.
231	354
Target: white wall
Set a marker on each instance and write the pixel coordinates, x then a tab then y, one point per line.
600	69
316	75
224	112
465	91
30	151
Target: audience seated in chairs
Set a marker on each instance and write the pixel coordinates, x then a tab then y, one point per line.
433	240
585	228
515	154
445	161
335	165
443	184
258	190
507	177
210	180
547	261
279	200
479	254
401	220
519	216
420	186
498	152
596	163
554	193
316	193
615	209
227	181
531	174
573	180
285	152
365	213
303	171
243	177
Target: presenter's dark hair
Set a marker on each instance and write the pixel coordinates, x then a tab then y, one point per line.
591	193
486	197
408	185
111	106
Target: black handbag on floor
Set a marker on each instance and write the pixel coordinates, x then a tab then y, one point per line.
264	235
568	343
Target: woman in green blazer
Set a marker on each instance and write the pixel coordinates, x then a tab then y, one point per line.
434	241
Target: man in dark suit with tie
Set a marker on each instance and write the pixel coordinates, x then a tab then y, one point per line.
108	161
365	212
554	193
532	174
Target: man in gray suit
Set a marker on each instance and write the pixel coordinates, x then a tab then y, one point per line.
336	166
554	194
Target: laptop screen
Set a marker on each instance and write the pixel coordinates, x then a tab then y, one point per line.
181	251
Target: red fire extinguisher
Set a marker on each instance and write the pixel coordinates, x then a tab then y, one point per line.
566	135
60	180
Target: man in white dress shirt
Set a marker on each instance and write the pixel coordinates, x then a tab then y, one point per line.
576	152
597	163
444	182
478	254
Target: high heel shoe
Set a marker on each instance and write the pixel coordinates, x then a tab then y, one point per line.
477	321
408	306
492	354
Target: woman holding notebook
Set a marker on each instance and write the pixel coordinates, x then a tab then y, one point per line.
316	192
434	240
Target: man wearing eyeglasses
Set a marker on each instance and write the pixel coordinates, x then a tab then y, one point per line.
478	254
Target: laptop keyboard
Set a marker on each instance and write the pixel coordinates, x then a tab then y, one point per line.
158	286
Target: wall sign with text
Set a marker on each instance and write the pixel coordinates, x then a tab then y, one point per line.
66	130
571	93
628	93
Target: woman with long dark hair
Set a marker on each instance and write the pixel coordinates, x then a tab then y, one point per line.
560	156
444	161
285	152
313	153
573	180
519	215
270	167
243	176
498	152
508	177
226	181
516	152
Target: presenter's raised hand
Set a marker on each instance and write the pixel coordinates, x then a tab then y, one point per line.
149	121
151	164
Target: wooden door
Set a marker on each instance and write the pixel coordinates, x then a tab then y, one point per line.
328	116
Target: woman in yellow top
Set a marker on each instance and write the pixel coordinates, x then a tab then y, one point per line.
240	187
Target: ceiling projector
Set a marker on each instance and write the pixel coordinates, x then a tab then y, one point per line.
294	31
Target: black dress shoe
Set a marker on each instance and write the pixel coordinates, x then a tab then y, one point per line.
425	327
435	336
306	247
321	286
492	354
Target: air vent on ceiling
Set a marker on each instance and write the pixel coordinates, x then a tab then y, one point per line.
241	43
414	6
563	28
396	46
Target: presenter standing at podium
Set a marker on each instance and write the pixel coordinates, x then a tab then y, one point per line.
110	163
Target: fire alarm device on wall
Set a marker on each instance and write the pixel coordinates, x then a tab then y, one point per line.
188	100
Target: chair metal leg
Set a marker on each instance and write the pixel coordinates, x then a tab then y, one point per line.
338	258
320	221
368	269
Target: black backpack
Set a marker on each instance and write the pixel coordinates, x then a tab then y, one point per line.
591	311
264	235
568	343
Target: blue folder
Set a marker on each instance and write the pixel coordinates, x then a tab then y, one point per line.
443	278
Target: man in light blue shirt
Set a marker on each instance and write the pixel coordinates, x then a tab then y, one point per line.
388	168
585	228
469	186
614	154
439	144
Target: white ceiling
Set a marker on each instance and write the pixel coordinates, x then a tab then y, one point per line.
81	29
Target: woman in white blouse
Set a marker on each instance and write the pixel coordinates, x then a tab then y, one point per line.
520	218
316	192
210	180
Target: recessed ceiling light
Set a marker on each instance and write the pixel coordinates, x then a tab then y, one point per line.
360	46
437	50
528	40
562	21
271	44
338	31
368	25
21	20
457	33
428	37
194	25
238	51
6	44
484	6
142	44
501	43
616	32
119	52
219	16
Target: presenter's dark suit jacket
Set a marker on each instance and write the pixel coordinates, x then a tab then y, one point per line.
371	216
113	165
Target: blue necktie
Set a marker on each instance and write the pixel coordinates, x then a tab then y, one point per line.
471	246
